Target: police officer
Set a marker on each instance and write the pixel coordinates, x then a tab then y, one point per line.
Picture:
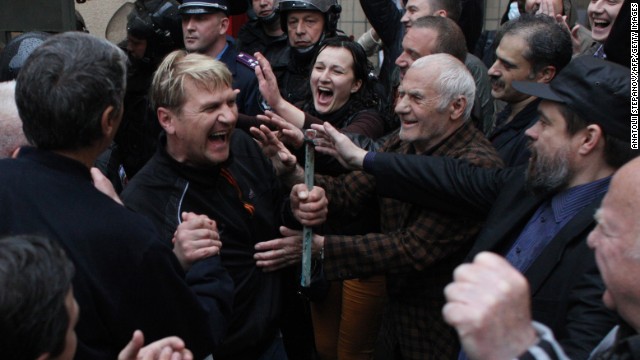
204	27
153	30
307	23
263	32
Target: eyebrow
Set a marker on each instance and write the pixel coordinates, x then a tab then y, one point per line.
507	62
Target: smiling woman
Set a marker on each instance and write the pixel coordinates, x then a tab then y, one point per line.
341	91
347	317
602	14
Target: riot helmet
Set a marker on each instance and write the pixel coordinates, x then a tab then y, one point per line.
157	22
330	8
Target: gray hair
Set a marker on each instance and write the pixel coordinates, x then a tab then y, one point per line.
65	87
454	80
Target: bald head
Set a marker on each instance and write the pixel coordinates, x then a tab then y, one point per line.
616	242
11	135
625	190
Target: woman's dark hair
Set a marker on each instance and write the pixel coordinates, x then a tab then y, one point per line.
366	96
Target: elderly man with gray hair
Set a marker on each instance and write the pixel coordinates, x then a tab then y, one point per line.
417	249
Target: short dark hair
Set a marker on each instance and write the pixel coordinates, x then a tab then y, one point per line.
64	88
549	43
35	278
617	152
453	7
450	37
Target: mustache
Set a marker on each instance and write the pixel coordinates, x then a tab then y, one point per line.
496	81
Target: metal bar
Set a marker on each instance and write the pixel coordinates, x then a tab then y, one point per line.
307	232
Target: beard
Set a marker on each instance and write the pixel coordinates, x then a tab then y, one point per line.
547	174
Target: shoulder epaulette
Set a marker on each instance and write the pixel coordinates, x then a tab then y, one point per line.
247	60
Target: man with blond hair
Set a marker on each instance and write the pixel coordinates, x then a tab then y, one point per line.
204	166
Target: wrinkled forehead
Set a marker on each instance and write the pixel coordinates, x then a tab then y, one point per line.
420	79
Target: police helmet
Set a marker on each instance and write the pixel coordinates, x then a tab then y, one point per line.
159	23
330	8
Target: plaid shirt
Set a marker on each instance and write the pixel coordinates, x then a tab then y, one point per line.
417	249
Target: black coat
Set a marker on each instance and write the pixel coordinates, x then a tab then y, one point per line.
125	279
565	282
164	188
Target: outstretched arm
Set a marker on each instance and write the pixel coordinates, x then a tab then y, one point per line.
268	85
334	143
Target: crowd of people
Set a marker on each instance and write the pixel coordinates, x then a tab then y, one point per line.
472	197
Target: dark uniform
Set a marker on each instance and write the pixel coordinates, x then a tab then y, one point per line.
252	38
244	78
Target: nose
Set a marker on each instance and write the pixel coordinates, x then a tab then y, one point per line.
401	105
401	61
595	6
229	114
493	70
532	132
405	18
323	76
187	23
300	28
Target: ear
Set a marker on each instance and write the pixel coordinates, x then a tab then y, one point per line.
441	12
356	86
166	119
224	25
457	108
546	74
44	356
590	138
110	121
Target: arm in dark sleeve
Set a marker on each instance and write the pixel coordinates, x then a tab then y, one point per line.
367	124
384	17
440	182
246	122
588	320
165	305
214	288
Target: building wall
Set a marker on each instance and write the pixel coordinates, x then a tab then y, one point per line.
97	14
